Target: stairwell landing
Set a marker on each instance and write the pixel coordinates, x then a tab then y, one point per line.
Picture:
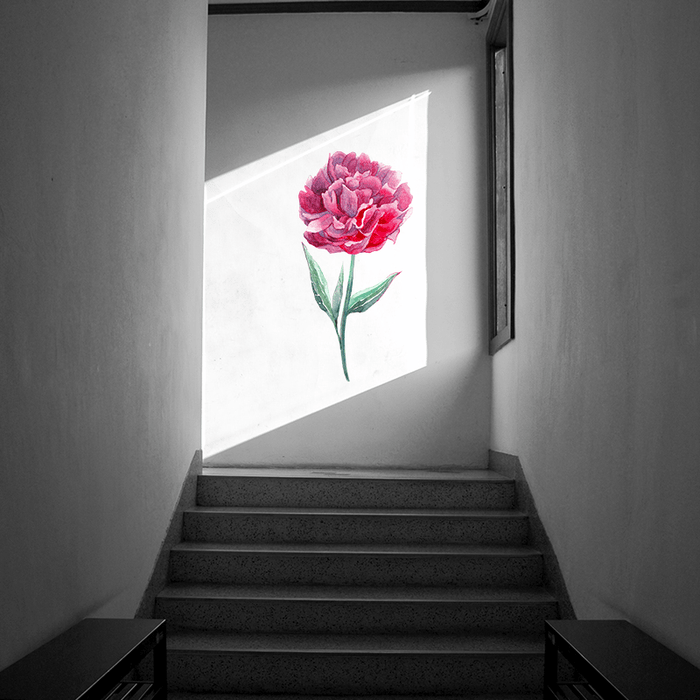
300	582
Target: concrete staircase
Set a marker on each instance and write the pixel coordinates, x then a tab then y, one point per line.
402	583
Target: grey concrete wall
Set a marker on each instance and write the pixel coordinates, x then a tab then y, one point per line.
277	80
599	394
101	175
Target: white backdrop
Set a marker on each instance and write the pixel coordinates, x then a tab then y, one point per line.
271	355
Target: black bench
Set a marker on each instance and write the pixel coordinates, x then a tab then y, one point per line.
91	661
614	660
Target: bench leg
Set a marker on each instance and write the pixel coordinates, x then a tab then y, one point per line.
550	665
160	672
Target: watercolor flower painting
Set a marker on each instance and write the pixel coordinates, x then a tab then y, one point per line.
352	205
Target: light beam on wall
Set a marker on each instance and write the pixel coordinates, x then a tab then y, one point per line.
279	344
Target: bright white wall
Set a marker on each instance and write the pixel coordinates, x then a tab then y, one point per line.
274	81
101	145
599	394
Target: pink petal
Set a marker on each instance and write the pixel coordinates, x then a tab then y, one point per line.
320	224
369	219
319	242
363	163
350	162
363	197
348	201
383	172
319	183
331	197
310	201
372	183
392	236
355	247
393	179
335	162
335	158
339	230
386	195
403	196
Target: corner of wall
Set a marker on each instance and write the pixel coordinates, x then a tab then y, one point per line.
509	465
173	535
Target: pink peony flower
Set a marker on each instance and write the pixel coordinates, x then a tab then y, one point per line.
353	205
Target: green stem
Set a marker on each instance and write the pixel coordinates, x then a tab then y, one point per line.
344	317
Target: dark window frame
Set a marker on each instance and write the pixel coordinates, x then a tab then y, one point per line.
501	210
501	228
335	6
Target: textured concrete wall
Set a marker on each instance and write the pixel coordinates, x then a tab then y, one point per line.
101	145
276	80
599	395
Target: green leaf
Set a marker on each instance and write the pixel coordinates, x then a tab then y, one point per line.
361	301
338	293
319	285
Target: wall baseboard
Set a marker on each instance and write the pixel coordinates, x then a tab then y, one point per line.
509	465
173	536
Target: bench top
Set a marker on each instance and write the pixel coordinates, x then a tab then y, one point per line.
86	661
629	662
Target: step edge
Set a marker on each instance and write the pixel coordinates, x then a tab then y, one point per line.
272	511
188	695
476	637
352	652
180	593
467	475
324	549
367	601
201	641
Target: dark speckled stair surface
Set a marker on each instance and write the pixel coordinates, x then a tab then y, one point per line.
355	583
361	488
354	525
207	642
226	696
355	609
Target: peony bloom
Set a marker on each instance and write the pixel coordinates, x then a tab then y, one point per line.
353	205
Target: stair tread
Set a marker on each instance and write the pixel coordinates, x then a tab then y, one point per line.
379	474
379	512
469	644
377	549
302	626
358	593
217	696
184	695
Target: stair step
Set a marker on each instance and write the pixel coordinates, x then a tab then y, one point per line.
360	644
354	610
358	565
388	594
333	584
357	525
354	664
183	695
482	489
